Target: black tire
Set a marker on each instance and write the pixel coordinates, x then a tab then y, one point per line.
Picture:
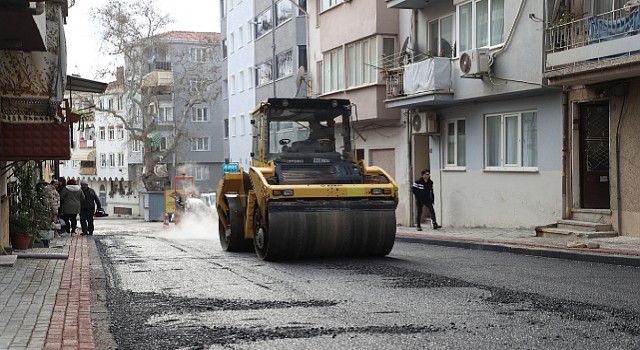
232	239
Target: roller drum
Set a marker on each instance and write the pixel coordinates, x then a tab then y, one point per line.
305	229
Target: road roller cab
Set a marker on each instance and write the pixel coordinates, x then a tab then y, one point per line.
306	195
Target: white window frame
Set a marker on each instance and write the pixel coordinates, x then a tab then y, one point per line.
453	149
494	21
200	144
136	146
120	132
503	148
165	114
438	36
111	132
362	58
198	54
327	4
199	114
285	64
102	132
200	173
121	160
103	160
112	160
284	11
333	70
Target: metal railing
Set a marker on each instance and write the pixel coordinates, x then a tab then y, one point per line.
592	30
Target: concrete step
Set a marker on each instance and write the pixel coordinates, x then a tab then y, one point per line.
568	234
602	216
584	225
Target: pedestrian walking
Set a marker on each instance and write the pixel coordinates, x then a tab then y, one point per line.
423	191
52	196
71	198
88	207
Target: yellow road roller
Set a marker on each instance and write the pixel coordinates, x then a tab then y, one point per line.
305	194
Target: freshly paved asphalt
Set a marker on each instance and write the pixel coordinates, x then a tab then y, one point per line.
46	293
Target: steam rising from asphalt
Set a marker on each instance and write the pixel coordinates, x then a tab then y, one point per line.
201	225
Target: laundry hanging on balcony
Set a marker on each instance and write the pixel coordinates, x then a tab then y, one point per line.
610	29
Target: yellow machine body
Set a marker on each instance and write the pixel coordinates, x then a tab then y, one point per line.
302	198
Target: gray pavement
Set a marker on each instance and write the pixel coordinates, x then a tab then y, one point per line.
30	280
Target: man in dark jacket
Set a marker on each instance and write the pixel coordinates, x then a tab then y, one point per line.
88	208
71	198
423	191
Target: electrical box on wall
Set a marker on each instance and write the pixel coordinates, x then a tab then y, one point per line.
424	123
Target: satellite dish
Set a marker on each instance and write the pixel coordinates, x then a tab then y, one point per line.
465	63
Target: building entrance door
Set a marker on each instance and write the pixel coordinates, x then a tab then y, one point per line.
594	156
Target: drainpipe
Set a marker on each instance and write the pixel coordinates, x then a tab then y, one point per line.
618	173
410	155
567	199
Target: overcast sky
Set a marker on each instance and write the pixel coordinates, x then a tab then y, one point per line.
83	56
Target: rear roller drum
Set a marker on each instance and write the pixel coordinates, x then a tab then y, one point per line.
232	239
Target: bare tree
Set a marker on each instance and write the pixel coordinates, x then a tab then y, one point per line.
133	30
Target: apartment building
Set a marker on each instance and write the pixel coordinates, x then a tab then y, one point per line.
348	41
592	52
480	113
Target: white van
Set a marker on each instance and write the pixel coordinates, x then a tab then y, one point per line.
209	200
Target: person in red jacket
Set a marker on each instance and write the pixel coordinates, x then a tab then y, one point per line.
423	191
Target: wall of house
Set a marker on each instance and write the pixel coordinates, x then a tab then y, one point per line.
475	197
625	112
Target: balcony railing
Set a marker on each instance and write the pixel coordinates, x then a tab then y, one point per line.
87	144
597	31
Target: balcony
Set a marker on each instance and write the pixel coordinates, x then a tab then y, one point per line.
594	49
418	83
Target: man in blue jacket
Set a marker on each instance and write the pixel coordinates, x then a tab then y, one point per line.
423	191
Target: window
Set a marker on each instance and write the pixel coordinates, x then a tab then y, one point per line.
121	160
136	146
242	124
362	57
264	23
120	132
480	24
163	143
198	54
441	37
165	114
224	48
200	172
197	85
284	11
240	81
511	140
263	73
199	114
112	160
76	163
232	42
232	128
456	145
333	71
240	37
200	144
102	132
285	63
111	132
327	4
232	85
103	160
226	128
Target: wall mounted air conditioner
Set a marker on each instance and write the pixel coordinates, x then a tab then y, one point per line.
424	123
474	61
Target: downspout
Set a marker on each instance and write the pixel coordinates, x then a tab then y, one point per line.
508	40
407	115
618	173
567	199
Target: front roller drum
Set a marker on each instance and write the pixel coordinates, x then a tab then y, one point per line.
354	231
232	238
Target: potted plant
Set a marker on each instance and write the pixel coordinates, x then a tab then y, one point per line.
28	211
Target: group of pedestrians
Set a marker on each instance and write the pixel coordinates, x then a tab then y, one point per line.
76	200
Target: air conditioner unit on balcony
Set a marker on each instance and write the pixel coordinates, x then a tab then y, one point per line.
474	61
424	123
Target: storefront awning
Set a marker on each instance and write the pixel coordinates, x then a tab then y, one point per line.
86	154
84	85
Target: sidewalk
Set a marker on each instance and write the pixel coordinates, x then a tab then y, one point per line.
612	250
45	294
